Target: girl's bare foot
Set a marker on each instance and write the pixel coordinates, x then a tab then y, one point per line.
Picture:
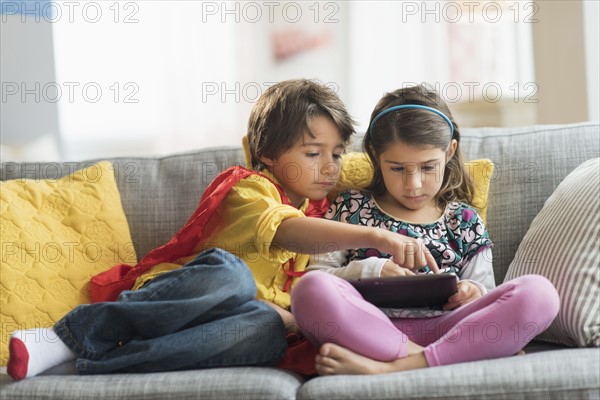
336	360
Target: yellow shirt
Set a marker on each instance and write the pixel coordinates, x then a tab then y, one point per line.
245	224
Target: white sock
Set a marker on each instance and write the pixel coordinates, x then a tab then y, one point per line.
33	351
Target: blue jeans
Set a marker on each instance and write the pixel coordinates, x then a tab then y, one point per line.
202	315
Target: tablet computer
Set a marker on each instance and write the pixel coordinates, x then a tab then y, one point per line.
414	291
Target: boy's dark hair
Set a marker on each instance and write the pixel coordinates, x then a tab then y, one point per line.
419	128
282	114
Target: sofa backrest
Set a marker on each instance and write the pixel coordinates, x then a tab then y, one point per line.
159	194
529	163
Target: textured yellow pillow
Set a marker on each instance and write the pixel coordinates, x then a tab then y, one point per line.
357	171
481	173
55	235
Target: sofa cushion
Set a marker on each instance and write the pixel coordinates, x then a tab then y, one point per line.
210	384
558	374
56	234
562	245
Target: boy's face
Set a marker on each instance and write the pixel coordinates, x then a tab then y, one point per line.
311	168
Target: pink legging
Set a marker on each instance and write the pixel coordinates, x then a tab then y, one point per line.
499	324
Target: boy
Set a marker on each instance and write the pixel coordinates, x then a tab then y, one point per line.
195	300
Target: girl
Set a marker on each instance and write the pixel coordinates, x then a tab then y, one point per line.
421	190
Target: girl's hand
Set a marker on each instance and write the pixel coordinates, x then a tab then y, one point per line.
408	252
467	292
390	268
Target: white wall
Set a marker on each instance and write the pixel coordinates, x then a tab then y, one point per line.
591	12
179	75
474	53
321	27
152	62
193	70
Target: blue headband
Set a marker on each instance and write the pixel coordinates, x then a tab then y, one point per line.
405	106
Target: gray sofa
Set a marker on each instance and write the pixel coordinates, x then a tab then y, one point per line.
158	195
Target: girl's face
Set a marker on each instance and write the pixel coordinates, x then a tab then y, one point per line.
311	168
413	175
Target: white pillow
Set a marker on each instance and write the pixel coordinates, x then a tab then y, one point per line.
563	245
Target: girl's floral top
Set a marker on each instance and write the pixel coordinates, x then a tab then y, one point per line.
453	239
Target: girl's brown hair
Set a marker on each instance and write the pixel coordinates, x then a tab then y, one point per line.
282	114
418	128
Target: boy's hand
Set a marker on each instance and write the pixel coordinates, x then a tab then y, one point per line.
467	292
390	268
408	252
289	321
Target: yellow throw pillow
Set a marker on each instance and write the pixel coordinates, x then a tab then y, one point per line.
481	173
56	234
357	171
